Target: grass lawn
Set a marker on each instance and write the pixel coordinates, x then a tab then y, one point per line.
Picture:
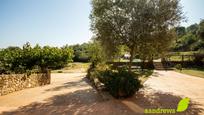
73	67
186	53
177	56
198	72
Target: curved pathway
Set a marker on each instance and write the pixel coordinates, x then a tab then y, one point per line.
71	94
68	94
178	84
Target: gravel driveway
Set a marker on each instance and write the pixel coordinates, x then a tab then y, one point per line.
71	94
178	84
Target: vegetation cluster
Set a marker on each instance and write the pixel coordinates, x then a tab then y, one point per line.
21	60
190	38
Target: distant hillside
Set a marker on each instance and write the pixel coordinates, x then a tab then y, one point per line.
190	38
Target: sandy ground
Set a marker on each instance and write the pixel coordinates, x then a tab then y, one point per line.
178	84
71	94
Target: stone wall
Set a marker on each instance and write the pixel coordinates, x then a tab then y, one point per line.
15	82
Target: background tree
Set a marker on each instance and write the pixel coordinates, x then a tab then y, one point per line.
201	30
180	31
96	53
192	40
19	60
121	51
192	29
135	24
81	52
10	59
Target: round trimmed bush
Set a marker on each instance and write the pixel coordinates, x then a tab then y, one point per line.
120	83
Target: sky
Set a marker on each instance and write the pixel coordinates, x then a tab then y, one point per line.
59	22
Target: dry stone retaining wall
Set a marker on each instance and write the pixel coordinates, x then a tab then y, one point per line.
15	82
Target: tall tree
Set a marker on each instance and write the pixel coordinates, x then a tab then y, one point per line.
138	24
180	31
201	30
193	29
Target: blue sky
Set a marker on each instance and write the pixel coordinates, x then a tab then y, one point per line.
59	22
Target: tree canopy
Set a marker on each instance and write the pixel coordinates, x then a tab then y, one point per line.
19	60
201	30
190	38
140	25
81	52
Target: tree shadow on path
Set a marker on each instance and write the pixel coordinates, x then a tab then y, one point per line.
155	100
81	102
69	85
89	102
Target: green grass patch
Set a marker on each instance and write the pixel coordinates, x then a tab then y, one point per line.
179	58
185	53
73	67
198	72
77	65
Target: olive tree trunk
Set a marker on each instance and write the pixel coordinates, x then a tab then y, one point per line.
131	58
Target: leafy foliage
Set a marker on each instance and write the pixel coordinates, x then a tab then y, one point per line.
81	52
137	24
190	38
95	71
180	31
19	60
201	30
96	54
120	82
184	41
192	29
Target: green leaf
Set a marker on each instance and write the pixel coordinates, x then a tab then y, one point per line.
183	105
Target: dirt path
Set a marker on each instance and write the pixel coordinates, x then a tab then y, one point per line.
68	94
71	94
60	84
178	84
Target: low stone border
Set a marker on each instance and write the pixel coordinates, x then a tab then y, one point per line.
100	89
14	82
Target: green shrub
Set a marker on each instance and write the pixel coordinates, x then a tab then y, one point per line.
19	60
118	82
178	67
95	71
121	83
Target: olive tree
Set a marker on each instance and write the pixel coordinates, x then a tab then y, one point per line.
138	24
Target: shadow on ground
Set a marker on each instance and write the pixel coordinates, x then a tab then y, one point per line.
71	84
156	74
88	101
163	100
